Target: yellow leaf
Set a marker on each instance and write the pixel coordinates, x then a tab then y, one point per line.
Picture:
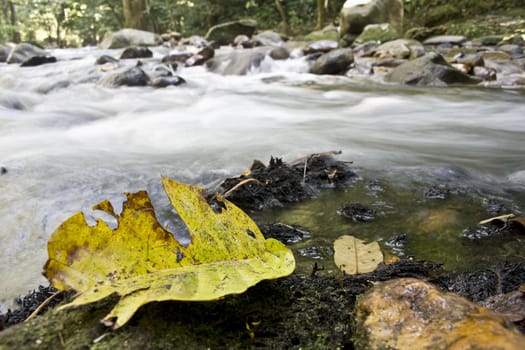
353	256
142	262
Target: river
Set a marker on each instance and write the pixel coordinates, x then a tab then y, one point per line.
67	143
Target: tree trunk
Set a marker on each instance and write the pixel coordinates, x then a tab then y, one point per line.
321	13
15	34
284	15
133	11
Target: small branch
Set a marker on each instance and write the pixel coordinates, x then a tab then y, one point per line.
240	184
43	305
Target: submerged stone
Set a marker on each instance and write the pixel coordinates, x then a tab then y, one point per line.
408	313
136	52
37	61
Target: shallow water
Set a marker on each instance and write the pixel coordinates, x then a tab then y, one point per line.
68	143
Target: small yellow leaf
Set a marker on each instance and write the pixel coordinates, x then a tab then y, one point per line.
353	256
142	262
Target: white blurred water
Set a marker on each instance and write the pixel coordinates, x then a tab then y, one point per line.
68	148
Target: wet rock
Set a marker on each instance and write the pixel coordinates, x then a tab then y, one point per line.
177	57
489	40
106	59
287	234
330	33
238	62
243	41
357	14
511	49
201	56
397	244
509	305
412	314
134	76
171	36
24	51
357	212
130	37
162	82
333	62
196	41
400	48
485	73
445	39
377	32
4	52
365	49
429	70
279	53
37	61
3	170
321	46
268	38
136	52
495	56
280	183
437	192
480	232
225	33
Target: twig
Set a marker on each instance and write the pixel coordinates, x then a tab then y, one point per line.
41	306
240	184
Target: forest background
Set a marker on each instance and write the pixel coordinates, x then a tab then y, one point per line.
73	23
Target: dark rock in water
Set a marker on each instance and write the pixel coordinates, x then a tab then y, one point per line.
279	53
356	212
196	41
199	58
167	81
134	76
225	33
130	37
445	39
397	244
177	57
429	70
106	59
480	232
280	183
287	234
333	62
38	60
23	51
136	52
3	170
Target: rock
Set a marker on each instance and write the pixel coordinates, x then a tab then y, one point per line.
196	41
136	52
238	62
485	73
327	33
24	51
3	170
445	39
106	59
37	61
408	313
489	40
377	32
333	62
130	37
225	33
200	57
134	76
422	33
162	82
511	49
429	70
357	14
243	41
171	36
268	38
177	57
279	53
321	46
356	212
4	52
495	56
400	48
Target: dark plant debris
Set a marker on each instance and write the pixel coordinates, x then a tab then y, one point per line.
356	212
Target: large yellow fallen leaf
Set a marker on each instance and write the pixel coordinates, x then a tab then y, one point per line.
353	256
142	262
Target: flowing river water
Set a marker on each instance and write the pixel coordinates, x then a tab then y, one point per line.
67	143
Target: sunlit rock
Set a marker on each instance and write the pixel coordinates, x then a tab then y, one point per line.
333	62
377	32
412	314
130	37
357	14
